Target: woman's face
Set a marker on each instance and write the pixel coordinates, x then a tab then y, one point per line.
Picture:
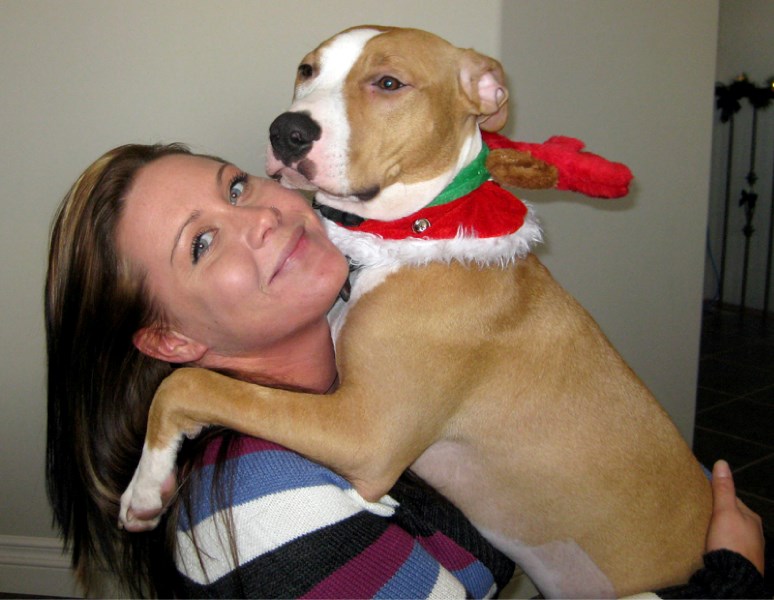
237	263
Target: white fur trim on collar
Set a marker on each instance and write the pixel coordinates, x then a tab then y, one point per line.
369	250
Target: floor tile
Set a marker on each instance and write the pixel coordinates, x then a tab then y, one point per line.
759	354
745	419
710	446
735	406
706	399
766	396
757	478
733	378
730	325
715	342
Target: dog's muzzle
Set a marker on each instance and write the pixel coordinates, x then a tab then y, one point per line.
292	135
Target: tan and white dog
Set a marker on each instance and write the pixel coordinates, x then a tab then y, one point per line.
460	358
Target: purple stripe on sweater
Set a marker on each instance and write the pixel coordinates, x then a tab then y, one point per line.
368	572
447	552
241	446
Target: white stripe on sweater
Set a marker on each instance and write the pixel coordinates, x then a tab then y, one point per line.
447	586
265	524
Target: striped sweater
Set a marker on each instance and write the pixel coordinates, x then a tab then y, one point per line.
300	530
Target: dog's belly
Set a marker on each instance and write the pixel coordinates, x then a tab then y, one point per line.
559	568
475	485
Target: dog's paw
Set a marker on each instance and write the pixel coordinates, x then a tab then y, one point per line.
151	487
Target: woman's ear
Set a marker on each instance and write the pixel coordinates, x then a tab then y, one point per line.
167	345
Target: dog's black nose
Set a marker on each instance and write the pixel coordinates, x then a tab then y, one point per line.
292	135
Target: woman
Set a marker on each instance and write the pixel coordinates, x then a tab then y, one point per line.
158	258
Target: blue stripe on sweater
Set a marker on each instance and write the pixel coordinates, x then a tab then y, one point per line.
476	578
416	578
270	471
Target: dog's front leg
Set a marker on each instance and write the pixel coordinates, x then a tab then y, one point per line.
335	430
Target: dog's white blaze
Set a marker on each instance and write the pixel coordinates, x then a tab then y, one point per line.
336	61
323	98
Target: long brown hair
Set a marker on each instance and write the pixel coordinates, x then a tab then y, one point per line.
99	385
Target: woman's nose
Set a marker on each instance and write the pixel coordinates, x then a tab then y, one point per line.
260	223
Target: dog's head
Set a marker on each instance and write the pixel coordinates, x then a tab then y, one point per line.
383	118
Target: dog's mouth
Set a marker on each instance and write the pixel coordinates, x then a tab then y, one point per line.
300	178
291	178
368	194
337	200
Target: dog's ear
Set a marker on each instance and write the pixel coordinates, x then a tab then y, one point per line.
167	345
483	82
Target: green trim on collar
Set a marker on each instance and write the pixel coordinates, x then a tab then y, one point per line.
466	180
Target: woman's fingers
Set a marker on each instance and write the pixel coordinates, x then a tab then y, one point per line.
733	525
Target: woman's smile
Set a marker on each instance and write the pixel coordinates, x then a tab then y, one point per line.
291	250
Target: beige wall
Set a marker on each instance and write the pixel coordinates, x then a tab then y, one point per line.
633	79
630	77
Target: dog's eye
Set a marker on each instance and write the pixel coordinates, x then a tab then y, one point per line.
389	83
305	71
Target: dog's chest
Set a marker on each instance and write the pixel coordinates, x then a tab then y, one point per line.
376	258
362	280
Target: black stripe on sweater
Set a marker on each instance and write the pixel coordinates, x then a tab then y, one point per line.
297	566
423	511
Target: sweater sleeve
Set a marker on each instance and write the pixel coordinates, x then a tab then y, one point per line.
278	525
726	574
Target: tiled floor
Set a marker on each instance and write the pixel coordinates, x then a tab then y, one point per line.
735	404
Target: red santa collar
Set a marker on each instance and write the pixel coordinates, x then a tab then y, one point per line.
486	212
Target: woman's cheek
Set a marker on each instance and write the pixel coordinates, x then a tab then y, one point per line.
235	282
331	274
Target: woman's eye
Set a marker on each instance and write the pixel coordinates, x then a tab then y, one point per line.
201	244
389	83
236	188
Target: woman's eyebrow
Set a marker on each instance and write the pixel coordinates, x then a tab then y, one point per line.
219	176
191	218
195	215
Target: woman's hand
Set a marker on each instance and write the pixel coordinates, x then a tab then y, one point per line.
733	526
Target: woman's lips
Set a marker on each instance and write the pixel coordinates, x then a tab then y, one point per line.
293	245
